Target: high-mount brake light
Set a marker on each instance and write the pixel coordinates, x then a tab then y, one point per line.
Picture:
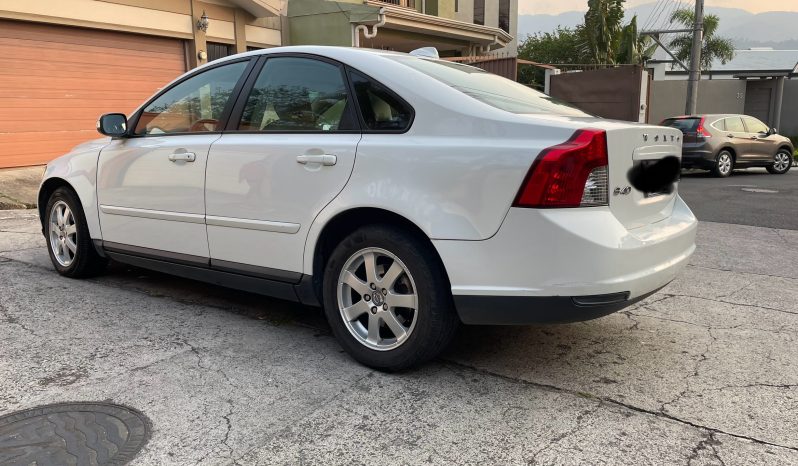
571	174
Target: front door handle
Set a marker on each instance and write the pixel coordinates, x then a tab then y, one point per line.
324	159
182	157
729	135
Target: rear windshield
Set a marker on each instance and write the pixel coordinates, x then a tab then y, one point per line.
687	125
489	88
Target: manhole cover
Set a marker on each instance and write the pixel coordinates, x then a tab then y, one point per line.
760	190
72	434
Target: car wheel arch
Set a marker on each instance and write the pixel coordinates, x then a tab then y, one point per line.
730	150
344	223
786	148
48	187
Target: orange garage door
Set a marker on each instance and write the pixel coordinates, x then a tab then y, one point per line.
56	80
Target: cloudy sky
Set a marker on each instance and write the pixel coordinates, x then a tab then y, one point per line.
528	7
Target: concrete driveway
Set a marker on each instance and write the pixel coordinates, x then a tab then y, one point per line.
704	372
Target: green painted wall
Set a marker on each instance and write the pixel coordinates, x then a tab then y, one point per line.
322	22
321	29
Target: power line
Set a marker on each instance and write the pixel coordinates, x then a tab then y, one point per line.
651	15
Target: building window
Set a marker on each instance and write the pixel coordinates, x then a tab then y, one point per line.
479	12
504	15
217	50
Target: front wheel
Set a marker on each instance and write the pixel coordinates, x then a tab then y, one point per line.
781	163
68	240
387	298
723	164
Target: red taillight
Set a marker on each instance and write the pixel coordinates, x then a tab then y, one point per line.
701	131
559	175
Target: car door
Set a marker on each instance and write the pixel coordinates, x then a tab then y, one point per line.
763	144
740	139
150	185
289	149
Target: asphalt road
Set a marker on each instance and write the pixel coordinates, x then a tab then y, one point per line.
748	197
703	373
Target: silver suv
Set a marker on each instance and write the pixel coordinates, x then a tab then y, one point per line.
721	143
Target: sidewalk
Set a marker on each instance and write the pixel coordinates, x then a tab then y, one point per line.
19	187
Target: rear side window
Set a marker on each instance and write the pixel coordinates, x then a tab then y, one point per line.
686	125
735	125
297	94
382	110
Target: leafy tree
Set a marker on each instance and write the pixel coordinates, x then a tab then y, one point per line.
561	46
633	48
713	47
601	34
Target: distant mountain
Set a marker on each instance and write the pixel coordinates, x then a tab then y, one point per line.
772	29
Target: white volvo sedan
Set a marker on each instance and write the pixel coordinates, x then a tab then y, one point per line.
402	194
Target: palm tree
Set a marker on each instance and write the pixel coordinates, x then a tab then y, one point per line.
602	30
713	47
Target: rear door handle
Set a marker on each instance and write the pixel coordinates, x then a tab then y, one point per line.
729	135
182	157
324	159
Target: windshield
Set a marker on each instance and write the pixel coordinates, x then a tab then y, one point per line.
491	89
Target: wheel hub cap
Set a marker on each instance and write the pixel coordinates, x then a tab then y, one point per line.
63	234
377	299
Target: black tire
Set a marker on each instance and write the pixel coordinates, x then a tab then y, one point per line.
784	168
86	261
721	168
435	318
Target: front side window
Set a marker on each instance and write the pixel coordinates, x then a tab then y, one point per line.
381	109
297	94
490	88
735	125
194	105
754	125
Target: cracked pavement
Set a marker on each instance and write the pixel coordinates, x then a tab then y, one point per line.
703	373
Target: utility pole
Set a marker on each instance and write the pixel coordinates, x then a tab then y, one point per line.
695	59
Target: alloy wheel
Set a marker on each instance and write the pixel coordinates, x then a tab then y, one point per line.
782	162
724	163
377	299
63	233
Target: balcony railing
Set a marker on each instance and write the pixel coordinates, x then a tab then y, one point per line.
402	3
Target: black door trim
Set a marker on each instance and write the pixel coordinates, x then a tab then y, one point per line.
216	265
261	286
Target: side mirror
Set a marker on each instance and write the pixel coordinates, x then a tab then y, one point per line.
772	131
112	124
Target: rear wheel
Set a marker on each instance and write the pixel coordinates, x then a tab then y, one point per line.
69	243
724	164
387	299
782	162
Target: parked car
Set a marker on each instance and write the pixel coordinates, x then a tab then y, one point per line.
404	194
722	143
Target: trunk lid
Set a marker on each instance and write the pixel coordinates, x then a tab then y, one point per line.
637	144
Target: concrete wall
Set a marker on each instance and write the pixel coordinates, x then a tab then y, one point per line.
668	98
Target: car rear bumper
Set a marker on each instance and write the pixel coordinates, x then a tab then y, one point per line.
698	158
523	310
563	265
